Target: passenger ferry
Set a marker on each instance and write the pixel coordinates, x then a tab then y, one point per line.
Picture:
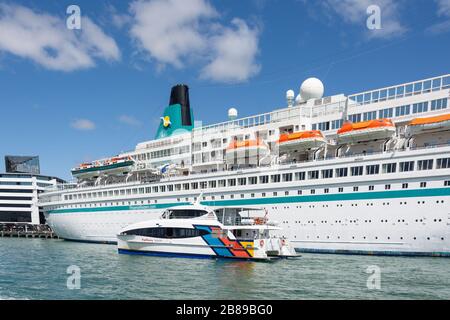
365	173
196	231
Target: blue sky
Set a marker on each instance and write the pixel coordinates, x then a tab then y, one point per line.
76	95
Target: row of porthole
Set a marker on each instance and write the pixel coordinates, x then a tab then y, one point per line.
355	221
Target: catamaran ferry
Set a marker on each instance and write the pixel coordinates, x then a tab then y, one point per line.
365	173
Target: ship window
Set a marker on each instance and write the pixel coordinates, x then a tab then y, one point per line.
386	113
185	187
402	110
420	107
447	183
287	177
423	184
405	186
369	115
300	176
326	190
263	194
275	178
231	182
242	181
371	188
327	174
313	191
252	180
299	192
357	171
446	83
355	189
389	168
341	190
443	163
373	169
425	164
212	184
407	166
178	187
439	104
387	187
275	194
222	183
264	179
341	172
312	175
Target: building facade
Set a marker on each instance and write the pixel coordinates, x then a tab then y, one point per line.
19	197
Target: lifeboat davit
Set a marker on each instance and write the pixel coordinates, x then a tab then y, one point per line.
251	149
302	140
113	166
438	123
366	131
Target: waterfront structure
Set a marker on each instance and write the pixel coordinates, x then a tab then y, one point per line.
363	173
19	197
22	164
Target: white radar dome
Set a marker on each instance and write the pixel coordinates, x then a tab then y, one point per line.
311	88
290	97
298	99
232	113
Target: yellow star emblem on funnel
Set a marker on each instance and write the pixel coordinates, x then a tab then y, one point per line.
166	121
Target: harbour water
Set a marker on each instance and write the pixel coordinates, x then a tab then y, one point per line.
37	269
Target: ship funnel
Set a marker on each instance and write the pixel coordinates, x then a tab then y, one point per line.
180	95
177	117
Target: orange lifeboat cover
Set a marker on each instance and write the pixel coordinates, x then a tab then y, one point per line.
244	144
437	119
300	135
380	123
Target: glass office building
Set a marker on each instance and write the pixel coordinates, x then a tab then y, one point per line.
22	164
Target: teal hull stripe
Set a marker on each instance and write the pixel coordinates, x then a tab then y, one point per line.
280	200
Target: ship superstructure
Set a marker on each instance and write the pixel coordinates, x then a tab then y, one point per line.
365	173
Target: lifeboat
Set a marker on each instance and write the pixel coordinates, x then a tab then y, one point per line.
438	123
113	166
251	149
302	140
366	131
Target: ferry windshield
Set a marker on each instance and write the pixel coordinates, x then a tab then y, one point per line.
185	213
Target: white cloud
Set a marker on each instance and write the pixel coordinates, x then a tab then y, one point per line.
355	12
45	39
170	29
183	32
83	125
443	10
235	50
443	7
129	120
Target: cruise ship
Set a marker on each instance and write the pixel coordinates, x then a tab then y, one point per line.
365	173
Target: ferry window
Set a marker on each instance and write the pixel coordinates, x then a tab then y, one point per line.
409	89
355	189
387	187
418	87
373	169
369	115
222	183
231	182
407	166
231	196
446	83
263	194
314	126
300	176
443	163
312	175
275	194
423	184
142	190
355	117
178	187
326	190
299	192
420	107
242	181
264	179
436	84
439	104
287	177
169	188
391	93
405	186
375	96
447	183
122	192
336	124
252	180
252	195
203	185
275	178
242	195
357	171
402	111
389	167
341	189
383	94
155	189
168	232
327	174
341	172
386	113
427	86
185	187
371	188
313	191
286	193
110	193
425	164
400	91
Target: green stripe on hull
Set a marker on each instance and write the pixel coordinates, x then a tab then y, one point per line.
280	200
